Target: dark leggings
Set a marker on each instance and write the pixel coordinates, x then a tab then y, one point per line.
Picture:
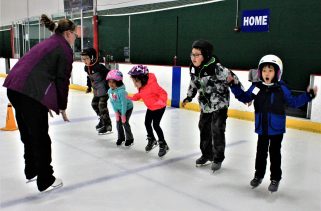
212	134
271	144
99	104
32	120
154	117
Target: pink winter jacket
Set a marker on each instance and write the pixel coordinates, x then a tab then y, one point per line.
154	96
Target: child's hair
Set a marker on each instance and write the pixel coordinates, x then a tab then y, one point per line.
142	78
91	53
60	27
119	83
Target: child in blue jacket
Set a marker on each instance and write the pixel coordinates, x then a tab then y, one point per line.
122	106
270	96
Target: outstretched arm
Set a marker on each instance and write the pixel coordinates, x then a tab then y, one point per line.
300	100
243	96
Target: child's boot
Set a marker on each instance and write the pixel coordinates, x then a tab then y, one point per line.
129	142
163	148
274	185
255	182
100	124
152	143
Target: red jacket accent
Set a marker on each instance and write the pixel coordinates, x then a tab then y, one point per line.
154	96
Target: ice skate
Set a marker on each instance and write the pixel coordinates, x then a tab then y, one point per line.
105	130
119	142
274	185
102	131
109	128
31	179
152	143
163	148
255	182
100	124
55	185
129	143
216	166
202	161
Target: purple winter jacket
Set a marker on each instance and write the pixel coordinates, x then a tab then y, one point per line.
44	72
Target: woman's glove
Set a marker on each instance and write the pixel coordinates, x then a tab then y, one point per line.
64	115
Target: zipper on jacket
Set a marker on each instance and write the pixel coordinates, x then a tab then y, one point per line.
48	88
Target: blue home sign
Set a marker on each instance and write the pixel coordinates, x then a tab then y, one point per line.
255	20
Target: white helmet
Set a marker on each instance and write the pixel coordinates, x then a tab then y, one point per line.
275	61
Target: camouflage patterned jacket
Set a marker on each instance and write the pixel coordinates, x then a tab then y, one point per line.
209	80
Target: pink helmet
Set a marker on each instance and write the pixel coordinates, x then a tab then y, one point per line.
114	75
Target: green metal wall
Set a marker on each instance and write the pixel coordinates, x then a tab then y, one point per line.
5	44
295	36
113	36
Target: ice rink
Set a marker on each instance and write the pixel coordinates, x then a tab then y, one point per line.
98	175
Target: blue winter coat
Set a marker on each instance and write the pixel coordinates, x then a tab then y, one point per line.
269	105
119	101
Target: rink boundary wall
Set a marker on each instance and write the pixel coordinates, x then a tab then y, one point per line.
179	76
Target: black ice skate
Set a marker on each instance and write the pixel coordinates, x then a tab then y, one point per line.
56	184
255	182
216	166
152	143
100	124
102	130
163	148
119	142
32	179
274	185
130	142
109	128
202	161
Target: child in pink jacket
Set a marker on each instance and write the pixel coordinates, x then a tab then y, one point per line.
155	98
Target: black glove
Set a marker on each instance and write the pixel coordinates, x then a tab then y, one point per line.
88	89
187	99
311	93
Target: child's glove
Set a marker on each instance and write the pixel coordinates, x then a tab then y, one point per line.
312	91
185	101
123	119
117	115
88	89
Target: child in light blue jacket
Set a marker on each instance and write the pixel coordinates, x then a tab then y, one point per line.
122	106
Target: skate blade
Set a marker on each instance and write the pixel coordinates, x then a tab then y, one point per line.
164	154
52	188
151	148
31	180
129	145
106	133
202	165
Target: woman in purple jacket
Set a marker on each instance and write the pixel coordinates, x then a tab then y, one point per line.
36	84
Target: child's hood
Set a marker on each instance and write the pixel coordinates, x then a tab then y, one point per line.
119	89
151	78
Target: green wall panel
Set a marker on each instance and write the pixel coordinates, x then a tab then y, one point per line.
5	44
157	37
113	36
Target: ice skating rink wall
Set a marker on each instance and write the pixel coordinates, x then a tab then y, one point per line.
175	81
